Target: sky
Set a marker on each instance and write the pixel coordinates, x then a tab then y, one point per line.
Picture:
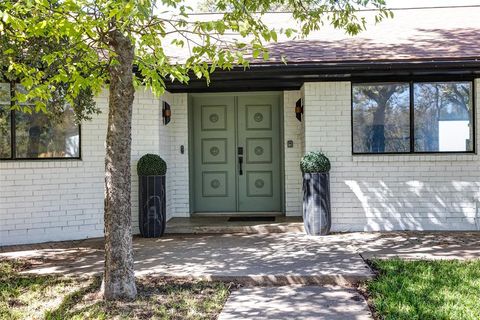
398	3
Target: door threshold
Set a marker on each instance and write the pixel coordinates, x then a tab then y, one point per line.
252	219
238	214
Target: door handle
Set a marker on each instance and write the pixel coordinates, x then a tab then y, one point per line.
240	163
240	160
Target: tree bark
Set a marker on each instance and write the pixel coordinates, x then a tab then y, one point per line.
378	130
33	146
119	277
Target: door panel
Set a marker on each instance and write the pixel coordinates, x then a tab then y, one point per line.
214	154
222	125
259	135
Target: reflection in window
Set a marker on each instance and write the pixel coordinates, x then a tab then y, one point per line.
5	121
443	116
39	136
36	135
381	121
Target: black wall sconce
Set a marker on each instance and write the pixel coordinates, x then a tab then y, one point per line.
166	113
298	109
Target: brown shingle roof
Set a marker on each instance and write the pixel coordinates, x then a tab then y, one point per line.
413	34
432	44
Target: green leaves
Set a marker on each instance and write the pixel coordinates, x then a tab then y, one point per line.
52	44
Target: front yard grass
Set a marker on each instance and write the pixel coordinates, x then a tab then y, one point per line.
25	296
425	290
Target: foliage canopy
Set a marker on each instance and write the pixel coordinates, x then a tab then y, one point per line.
60	50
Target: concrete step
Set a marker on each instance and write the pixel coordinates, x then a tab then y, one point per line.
222	225
274	280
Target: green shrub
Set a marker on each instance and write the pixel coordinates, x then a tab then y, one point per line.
314	162
151	165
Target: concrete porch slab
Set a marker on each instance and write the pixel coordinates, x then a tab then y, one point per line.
221	224
296	302
414	245
260	259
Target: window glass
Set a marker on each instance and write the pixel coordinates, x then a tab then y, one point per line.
41	136
381	121
5	121
443	116
36	135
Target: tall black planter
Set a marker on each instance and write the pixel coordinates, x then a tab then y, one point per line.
317	217
152	206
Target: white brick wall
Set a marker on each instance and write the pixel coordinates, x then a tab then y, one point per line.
63	200
384	192
177	176
293	130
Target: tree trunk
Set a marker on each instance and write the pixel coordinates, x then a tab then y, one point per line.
119	277
378	130
33	147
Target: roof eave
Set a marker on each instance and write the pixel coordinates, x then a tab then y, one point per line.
280	76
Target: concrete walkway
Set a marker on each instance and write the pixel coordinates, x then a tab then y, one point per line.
269	258
260	259
294	302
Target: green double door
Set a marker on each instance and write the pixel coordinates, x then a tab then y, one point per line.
236	157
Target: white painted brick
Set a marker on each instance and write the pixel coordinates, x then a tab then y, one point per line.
293	130
63	200
388	192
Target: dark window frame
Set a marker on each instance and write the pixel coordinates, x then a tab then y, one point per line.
13	150
411	83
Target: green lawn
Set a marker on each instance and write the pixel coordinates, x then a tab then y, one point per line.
52	297
425	290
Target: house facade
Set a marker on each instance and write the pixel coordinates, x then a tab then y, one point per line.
397	121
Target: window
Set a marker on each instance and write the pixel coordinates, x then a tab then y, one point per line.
36	135
381	121
412	117
443	116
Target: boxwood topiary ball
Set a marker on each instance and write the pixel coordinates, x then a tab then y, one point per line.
151	165
314	162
